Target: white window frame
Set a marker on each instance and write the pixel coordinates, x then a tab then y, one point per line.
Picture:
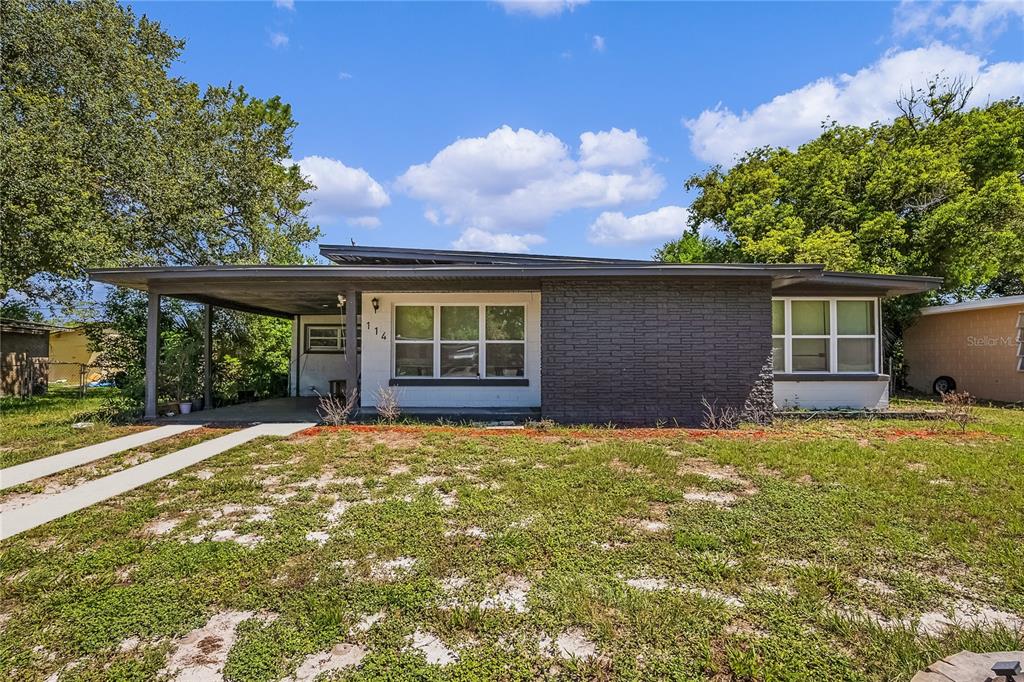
482	341
833	336
337	348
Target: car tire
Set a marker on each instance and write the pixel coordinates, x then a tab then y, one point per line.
943	385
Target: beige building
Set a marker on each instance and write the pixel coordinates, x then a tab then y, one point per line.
976	347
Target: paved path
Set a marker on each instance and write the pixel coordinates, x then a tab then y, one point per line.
29	471
87	494
968	666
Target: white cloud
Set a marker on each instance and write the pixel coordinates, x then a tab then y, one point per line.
540	8
284	4
278	40
343	192
516	180
475	239
598	43
719	135
615	228
344	75
368	221
977	20
612	149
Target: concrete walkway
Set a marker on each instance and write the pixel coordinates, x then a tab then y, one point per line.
88	494
29	471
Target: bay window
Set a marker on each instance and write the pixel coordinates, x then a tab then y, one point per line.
456	341
825	336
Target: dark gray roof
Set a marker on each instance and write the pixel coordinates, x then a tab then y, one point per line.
390	255
305	289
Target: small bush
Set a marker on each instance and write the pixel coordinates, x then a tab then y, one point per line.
387	404
958	408
335	410
727	417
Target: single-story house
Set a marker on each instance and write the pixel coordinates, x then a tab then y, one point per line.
977	346
572	339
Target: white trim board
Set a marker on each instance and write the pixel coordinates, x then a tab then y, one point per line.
29	471
55	506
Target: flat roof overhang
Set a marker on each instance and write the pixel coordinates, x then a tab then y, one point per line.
860	284
287	290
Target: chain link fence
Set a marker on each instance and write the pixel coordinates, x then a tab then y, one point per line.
25	376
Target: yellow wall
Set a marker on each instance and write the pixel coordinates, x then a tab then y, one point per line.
977	348
71	346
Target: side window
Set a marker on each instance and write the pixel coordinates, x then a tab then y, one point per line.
325	338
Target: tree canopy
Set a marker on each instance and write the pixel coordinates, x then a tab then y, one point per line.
108	160
938	191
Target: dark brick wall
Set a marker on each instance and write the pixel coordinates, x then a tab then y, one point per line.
639	351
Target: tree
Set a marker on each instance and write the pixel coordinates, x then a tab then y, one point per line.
106	160
938	191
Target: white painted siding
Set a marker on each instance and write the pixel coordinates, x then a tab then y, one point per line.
316	370
826	395
376	360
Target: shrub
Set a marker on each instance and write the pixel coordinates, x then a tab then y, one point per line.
335	410
958	408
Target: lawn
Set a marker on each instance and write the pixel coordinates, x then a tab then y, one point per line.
808	550
53	423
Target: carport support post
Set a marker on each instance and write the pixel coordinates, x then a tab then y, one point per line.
351	343
152	348
207	357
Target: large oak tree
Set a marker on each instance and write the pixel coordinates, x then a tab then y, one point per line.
938	191
108	160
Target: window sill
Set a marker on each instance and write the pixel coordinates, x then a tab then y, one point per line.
831	376
411	381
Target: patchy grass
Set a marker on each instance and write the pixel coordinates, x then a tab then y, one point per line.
44	425
825	550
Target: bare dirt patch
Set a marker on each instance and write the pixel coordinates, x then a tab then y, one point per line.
716	472
200	655
717	498
341	656
511	596
570	644
229	535
646	525
162	526
392	569
367	622
432	648
318	536
966	613
18	500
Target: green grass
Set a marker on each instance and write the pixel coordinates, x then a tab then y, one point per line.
927	515
43	425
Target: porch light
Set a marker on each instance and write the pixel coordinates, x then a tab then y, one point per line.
375	302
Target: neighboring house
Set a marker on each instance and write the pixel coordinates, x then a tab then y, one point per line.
571	339
976	347
71	345
24	346
72	358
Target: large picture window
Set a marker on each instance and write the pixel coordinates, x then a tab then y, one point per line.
825	335
460	341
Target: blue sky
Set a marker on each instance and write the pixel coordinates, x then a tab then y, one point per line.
566	127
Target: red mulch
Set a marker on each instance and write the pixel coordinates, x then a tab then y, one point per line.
636	433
